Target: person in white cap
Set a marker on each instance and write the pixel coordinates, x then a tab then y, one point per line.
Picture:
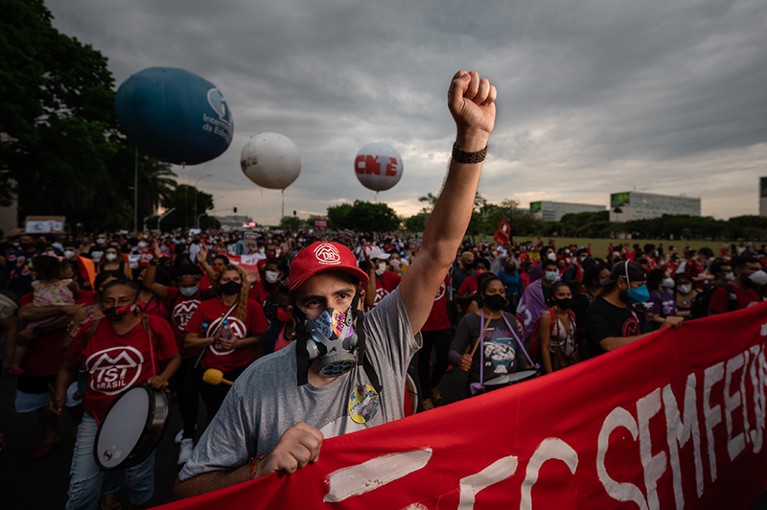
342	374
381	281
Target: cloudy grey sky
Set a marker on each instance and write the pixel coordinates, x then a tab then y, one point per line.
594	96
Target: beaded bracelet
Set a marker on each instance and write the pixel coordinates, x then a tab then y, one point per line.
468	158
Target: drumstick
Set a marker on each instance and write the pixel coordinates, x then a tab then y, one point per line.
479	339
214	377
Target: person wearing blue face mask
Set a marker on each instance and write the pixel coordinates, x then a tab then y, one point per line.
611	320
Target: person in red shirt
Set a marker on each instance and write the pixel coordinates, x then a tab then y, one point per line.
119	353
229	327
747	272
437	335
381	281
182	301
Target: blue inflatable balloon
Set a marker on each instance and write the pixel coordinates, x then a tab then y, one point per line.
174	115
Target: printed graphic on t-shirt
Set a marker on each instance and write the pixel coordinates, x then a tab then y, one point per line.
183	311
380	294
115	369
239	330
631	326
499	353
441	291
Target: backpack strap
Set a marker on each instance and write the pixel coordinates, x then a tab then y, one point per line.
152	344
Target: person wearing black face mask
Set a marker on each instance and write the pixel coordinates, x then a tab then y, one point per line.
486	341
228	328
559	342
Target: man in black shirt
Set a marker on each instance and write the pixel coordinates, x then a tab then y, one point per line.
610	319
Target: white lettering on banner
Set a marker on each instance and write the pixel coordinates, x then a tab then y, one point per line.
496	472
682	428
757	381
736	444
372	474
654	465
550	448
712	415
619	491
744	406
678	433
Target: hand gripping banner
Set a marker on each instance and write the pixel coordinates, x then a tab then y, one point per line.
676	420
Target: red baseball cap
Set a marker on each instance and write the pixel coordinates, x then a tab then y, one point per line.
324	256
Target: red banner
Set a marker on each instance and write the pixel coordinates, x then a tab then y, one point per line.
676	420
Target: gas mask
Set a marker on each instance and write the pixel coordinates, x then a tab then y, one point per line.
331	341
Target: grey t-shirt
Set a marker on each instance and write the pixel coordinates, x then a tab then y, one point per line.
266	400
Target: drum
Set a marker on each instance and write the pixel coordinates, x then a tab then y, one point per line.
132	428
411	396
513	378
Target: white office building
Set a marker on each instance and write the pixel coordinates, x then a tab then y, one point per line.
637	205
553	211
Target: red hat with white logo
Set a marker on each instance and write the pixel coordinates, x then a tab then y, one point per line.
324	256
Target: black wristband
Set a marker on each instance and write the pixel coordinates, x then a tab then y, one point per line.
468	158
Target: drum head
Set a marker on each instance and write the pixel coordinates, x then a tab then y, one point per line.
131	428
522	375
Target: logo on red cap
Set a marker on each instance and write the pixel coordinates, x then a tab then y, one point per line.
327	254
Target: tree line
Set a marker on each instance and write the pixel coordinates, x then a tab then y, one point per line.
486	217
61	150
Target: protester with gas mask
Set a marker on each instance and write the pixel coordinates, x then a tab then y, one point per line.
612	320
749	276
343	373
488	342
229	328
124	350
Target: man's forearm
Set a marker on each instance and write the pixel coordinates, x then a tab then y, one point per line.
452	212
210	481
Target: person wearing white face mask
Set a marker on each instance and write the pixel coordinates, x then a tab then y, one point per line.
112	260
720	272
749	276
536	299
381	281
662	299
684	295
265	290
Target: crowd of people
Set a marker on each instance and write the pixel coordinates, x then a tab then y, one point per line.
321	330
530	307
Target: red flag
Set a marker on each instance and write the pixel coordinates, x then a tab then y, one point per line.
503	233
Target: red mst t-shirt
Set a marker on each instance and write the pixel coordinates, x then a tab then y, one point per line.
117	363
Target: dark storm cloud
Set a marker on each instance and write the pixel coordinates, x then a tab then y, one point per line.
594	97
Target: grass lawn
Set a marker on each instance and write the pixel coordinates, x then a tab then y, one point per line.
599	246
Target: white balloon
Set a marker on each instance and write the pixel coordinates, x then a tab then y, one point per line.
270	160
378	166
